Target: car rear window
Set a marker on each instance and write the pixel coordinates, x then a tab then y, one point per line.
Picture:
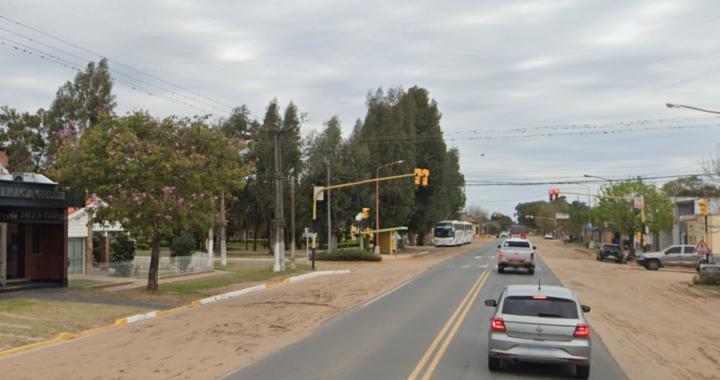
517	244
550	307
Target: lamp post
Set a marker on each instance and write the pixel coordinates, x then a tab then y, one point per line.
671	105
594	176
377	204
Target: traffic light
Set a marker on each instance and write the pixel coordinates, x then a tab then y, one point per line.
418	176
500	215
425	174
554	194
366	213
703	204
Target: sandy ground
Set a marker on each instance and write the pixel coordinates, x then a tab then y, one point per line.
653	323
210	341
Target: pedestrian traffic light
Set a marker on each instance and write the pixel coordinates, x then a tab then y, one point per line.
418	175
703	204
366	213
425	175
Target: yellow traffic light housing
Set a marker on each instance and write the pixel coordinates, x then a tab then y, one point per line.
366	213
500	215
418	176
425	175
703	204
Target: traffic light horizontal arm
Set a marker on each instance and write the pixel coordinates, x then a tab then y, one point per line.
374	180
598	196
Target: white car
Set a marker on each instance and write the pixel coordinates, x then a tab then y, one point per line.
549	235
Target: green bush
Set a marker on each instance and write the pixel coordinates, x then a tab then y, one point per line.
708	279
182	247
349	244
347	255
122	248
143	247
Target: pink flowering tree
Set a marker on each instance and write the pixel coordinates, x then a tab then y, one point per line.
158	176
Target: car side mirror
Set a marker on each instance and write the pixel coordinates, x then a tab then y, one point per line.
499	246
585	309
534	247
492	303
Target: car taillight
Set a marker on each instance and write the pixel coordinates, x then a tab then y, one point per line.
582	331
498	324
532	256
539	297
501	254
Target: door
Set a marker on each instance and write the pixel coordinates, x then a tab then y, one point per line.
76	255
689	257
3	254
673	256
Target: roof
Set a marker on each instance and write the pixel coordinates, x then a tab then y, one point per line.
545	290
392	229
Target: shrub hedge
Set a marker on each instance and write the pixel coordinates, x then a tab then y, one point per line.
347	255
708	279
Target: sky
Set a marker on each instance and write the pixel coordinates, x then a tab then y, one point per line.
527	89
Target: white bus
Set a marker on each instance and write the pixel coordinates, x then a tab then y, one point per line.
449	233
469	232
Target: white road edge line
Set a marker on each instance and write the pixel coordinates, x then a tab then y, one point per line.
383	295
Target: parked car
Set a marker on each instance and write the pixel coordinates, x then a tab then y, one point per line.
549	235
516	253
541	325
610	252
673	256
504	234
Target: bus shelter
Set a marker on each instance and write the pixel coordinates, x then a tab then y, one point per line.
388	245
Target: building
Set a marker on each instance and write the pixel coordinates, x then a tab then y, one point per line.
33	229
77	238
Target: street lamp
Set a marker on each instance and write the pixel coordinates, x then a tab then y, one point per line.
671	105
589	206
377	204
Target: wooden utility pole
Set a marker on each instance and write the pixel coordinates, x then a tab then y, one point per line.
223	245
329	247
292	222
278	222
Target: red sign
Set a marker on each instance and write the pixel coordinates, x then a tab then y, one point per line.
702	248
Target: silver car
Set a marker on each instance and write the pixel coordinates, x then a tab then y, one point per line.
539	324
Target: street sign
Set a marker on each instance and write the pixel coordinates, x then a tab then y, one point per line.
318	189
702	248
686	218
307	235
640	202
560	216
397	236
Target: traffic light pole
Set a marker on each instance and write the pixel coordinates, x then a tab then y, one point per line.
315	196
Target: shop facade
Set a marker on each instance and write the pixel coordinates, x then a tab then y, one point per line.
34	232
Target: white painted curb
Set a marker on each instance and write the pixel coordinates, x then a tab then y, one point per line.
236	293
141	317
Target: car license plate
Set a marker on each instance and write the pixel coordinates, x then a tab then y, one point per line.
611	256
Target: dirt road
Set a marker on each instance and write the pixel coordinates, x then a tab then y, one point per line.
209	341
653	323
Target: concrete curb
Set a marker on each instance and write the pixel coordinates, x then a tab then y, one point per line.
155	314
408	257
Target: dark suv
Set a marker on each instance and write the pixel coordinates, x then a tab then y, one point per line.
610	252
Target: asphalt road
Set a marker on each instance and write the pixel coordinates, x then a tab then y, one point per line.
434	326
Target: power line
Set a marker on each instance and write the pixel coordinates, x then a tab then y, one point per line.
116	62
580	181
74	66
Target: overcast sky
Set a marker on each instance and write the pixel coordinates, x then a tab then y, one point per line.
491	66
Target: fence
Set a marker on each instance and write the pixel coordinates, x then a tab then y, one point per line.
127	271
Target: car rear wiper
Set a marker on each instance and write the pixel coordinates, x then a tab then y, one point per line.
543	315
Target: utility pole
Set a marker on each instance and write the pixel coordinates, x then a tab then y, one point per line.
328	212
211	234
278	221
223	245
292	222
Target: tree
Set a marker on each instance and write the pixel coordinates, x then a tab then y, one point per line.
157	176
692	186
621	216
26	138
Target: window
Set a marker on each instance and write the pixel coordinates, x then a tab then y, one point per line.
550	307
517	244
672	250
689	249
36	239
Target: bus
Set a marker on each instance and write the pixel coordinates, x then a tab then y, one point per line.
469	232
518	231
449	233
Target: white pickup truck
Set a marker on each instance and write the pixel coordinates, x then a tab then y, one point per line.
516	253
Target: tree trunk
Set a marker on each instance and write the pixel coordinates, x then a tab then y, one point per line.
255	239
154	264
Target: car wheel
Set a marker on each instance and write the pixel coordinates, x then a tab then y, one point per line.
597	257
500	270
619	261
652	265
582	372
531	271
493	364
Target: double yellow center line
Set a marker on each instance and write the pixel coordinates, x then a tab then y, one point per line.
461	311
